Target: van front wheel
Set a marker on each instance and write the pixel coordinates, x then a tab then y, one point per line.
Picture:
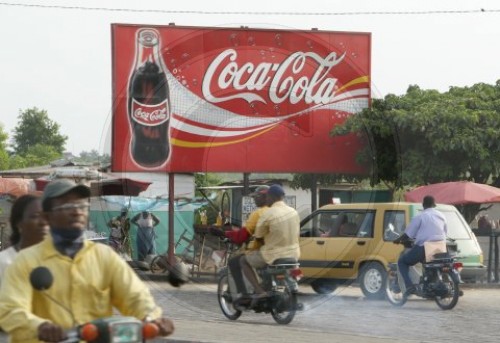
372	280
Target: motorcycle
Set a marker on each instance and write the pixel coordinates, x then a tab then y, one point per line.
122	329
438	279
280	280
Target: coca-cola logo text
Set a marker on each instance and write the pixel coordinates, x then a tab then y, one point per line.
286	80
150	115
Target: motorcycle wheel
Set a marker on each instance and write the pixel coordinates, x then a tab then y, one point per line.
157	265
393	292
451	299
225	299
284	307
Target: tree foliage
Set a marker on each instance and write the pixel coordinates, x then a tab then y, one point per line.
40	154
93	156
4	155
425	136
36	128
36	155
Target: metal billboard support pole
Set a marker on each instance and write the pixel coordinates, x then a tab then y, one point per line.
495	273
171	214
490	255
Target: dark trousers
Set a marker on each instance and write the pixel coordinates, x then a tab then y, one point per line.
145	242
235	269
410	258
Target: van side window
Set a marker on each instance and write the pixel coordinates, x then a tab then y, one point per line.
319	224
353	224
394	224
327	222
339	224
366	225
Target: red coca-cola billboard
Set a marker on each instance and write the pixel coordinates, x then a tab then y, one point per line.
190	99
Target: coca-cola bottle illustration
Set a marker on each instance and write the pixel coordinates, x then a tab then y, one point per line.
149	103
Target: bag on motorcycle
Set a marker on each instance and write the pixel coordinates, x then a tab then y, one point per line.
238	236
432	248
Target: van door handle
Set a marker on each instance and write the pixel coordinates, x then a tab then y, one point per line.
361	242
320	242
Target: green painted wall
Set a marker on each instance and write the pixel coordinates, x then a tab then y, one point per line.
183	220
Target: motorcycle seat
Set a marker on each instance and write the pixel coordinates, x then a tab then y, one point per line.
441	255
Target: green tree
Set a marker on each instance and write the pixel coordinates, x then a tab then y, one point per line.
36	155
4	155
17	162
93	156
39	154
35	127
425	136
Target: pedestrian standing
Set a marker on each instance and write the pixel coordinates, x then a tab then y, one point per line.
146	222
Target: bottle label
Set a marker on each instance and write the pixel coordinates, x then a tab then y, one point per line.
150	115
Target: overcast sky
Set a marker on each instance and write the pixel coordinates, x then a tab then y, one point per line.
59	59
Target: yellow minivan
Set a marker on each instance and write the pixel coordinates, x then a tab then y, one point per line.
353	242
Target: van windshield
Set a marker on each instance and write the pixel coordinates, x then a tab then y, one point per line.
457	228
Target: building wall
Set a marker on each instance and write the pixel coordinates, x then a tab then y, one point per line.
102	211
297	198
154	199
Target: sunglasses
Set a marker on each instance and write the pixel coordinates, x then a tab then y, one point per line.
83	206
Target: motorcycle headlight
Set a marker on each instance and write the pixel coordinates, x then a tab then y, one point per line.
126	332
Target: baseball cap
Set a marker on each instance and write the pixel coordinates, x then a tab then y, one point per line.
276	190
259	191
60	187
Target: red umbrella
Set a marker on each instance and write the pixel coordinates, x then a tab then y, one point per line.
120	186
456	193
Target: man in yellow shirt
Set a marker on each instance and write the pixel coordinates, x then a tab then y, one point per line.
278	228
90	279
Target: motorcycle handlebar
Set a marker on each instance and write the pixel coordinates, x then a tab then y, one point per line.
90	332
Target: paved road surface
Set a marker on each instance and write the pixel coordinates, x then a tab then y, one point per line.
344	316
